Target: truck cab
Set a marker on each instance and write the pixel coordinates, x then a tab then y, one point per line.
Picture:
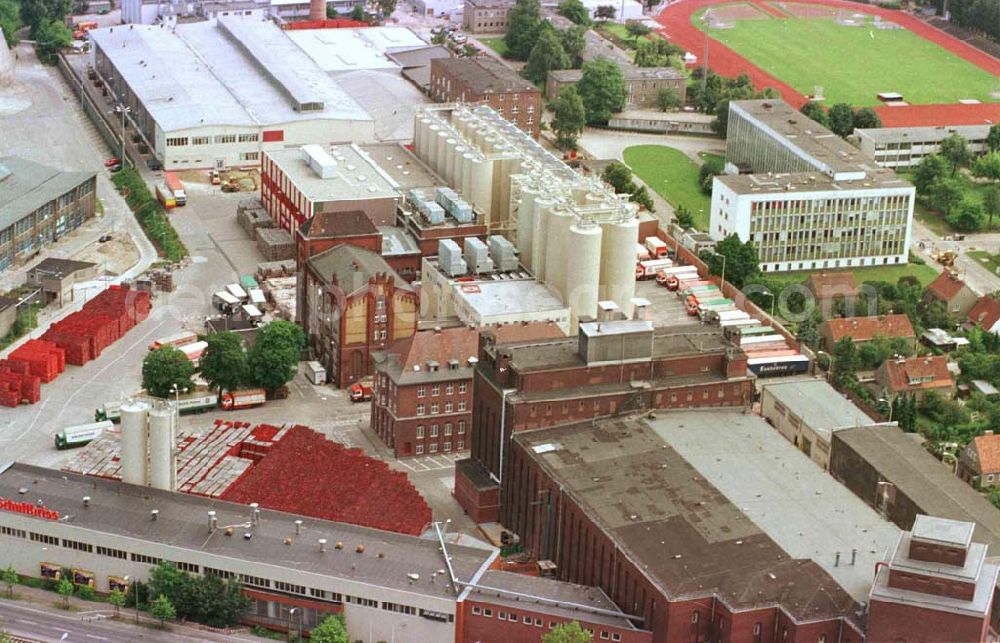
361	391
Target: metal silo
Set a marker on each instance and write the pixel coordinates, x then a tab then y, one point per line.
162	466
133	446
618	260
583	279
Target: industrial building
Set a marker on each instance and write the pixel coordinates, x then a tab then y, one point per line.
613	366
683	522
807	413
572	233
38	205
805	197
905	147
329	229
486	16
220	93
482	79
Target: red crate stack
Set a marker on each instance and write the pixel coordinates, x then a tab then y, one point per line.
18	387
40	358
103	321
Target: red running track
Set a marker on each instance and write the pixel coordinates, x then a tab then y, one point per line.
678	28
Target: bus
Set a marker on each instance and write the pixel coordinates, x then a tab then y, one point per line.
77	436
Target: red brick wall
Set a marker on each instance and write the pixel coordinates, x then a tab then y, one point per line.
480	505
931	585
895	622
477	627
937	553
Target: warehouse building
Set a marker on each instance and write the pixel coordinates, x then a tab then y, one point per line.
482	79
217	94
805	197
905	147
38	205
486	16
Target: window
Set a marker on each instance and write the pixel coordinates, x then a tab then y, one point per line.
42	538
502	616
447	428
152	560
221	573
188	567
615	636
317	593
201	140
447	446
399	608
604	635
694	617
460	445
433	447
476	611
177	141
420	431
435	407
77	545
15	533
436	390
538	622
487	612
421	391
448	407
225	138
248	138
434	430
419	449
250	156
526	620
461	427
463	387
449	390
461	405
255	581
420	409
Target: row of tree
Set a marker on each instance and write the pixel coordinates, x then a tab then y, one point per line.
977	15
204	599
225	364
46	20
942	186
619	176
711	94
842	119
599	94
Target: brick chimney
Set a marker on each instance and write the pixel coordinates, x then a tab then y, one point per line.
317	9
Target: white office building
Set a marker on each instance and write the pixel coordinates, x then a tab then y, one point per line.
905	147
216	94
806	198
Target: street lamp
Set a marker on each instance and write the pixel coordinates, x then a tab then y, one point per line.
298	633
723	267
768	293
135	590
888	404
123	109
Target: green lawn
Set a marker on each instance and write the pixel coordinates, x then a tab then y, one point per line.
853	64
673	175
496	44
985	259
617	33
890	274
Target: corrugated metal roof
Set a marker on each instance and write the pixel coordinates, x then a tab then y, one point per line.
25	186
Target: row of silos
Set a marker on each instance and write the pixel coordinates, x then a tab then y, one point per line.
148	440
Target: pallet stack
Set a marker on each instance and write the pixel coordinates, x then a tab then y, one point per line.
17	385
103	321
40	358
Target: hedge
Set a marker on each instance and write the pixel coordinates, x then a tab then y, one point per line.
150	214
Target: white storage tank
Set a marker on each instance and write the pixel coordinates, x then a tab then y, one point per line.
539	246
481	195
162	465
618	261
560	254
526	220
430	148
468	167
441	151
134	416
583	286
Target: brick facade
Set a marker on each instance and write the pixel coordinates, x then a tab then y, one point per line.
484	80
486	16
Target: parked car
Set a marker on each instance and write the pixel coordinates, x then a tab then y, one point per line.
104	238
112	161
459	38
115	168
154	165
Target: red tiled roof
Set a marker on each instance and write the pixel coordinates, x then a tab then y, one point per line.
939	115
459	343
988	451
899	375
306	474
986	312
863	329
832	284
946	286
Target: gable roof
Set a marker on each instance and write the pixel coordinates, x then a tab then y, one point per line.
352	267
987	449
832	284
985	313
901	375
26	186
946	286
329	225
407	359
863	329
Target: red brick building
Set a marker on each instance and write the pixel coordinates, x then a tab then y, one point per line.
329	229
953	293
610	368
422	397
865	329
937	586
979	462
915	376
352	304
482	79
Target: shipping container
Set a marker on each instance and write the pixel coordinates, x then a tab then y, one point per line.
736	323
257	297
315	373
730	315
176	340
165	196
225	302
193	351
647	269
176	188
237	291
773	366
77	436
248	282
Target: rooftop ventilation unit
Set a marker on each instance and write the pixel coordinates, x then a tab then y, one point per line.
503	253
477	256
450	258
320	161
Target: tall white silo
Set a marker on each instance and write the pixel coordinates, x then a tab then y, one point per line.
162	433
134	442
583	279
421	129
430	147
556	270
526	220
441	151
540	238
481	194
618	261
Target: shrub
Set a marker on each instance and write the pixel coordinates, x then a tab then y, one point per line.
150	214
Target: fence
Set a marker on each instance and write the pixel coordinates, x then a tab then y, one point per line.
93	111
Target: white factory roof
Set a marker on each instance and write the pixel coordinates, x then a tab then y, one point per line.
356	175
336	50
820	406
514	297
230	72
800	506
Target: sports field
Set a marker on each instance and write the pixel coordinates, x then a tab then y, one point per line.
853	63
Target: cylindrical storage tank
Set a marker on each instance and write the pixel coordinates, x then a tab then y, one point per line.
468	163
450	158
579	194
459	152
618	261
558	253
583	286
540	238
133	447
430	146
482	187
420	136
162	470
489	143
526	223
441	151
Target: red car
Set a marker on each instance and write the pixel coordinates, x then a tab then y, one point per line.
112	162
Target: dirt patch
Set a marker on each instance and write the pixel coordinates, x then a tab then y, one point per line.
114	256
728	13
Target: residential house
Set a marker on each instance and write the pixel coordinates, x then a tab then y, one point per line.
986	315
865	329
915	376
953	292
56	277
827	286
979	462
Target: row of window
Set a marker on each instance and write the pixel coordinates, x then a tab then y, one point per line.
434	429
449	407
219	139
536	622
433	447
449	389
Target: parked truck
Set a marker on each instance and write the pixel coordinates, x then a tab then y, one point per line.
237	291
176	187
672	276
77	436
361	391
197	401
176	340
641	253
648	269
225	302
657	247
165	196
244	399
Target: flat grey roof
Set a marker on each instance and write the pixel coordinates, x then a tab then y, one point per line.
357	176
922	134
402	166
490	298
682	530
820	406
26	186
124	510
804	183
397	241
233	71
943	531
808	513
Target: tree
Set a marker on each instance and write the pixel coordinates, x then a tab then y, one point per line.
573	40
619	176
968	217
35	13
946	194
546	55
224	362
275	354
658	52
641	197
602	88
846	360
52	37
710	169
10	20
931	169
721	123
816	112
574	11
164	369
956	150
65	589
386	7
331	630
987	166
738	260
331	12
841	119
866	118
440	38
991	202
668	100
605	12
569	118
637	30
567	633
523	23
10	578
993	138
469	50
162	609
684	218
117	598
994	497
358	13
